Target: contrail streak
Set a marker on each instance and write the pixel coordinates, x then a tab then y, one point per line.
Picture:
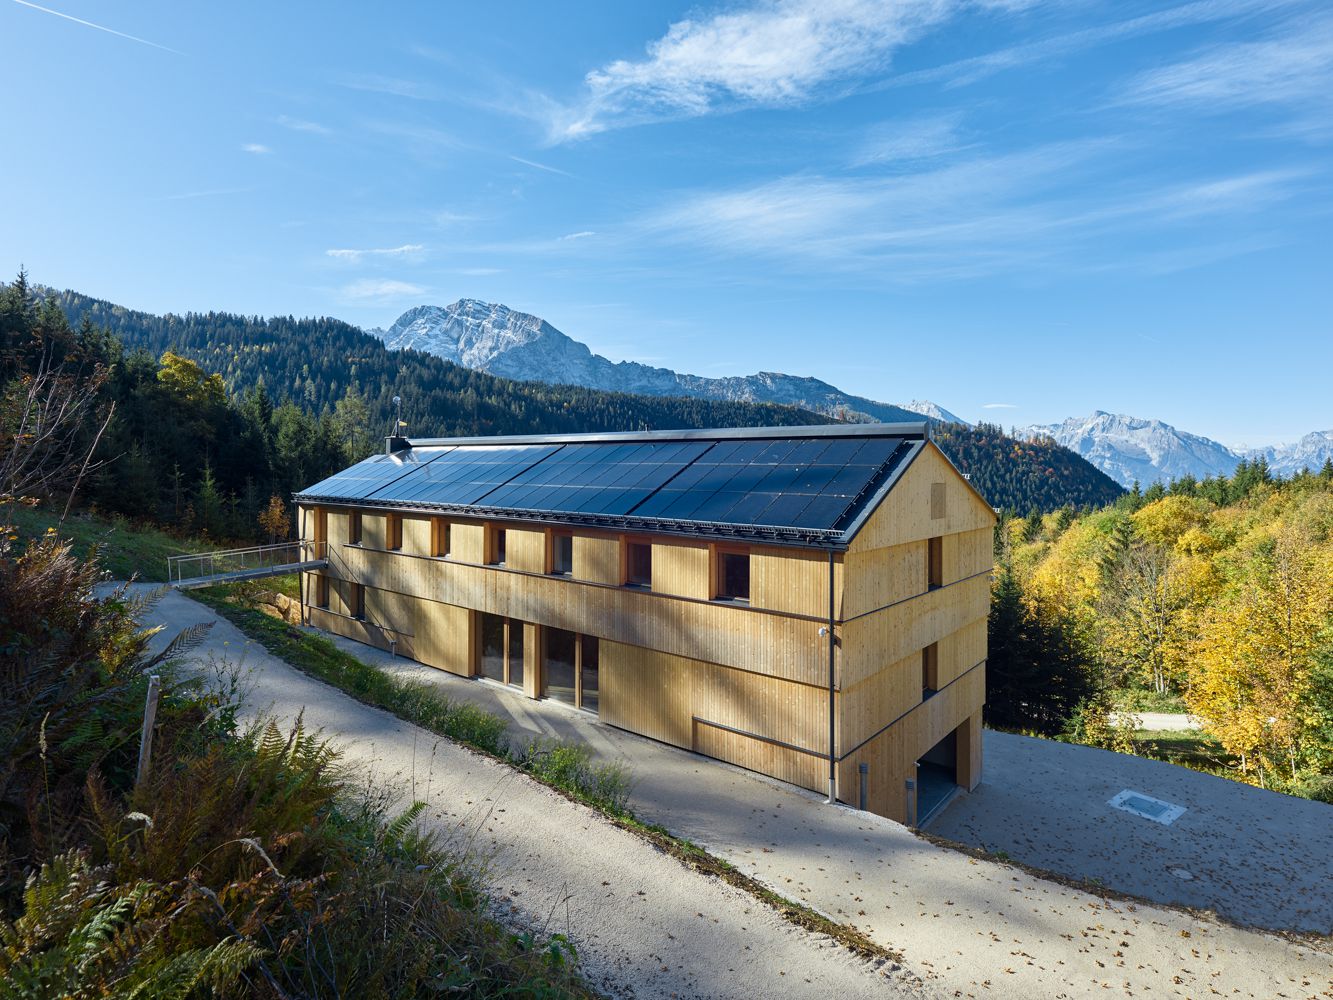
99	27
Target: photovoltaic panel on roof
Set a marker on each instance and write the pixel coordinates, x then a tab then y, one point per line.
786	484
363	479
464	475
596	478
810	486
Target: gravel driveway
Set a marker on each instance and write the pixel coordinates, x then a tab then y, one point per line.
968	928
645	925
1254	856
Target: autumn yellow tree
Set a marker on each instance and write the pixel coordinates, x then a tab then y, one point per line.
273	519
1144	615
1252	675
185	378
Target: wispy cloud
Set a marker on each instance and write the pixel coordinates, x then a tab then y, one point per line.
975	68
402	251
1293	68
391	85
99	27
914	139
369	289
1051	207
568	237
999	406
428	137
257	148
478	272
300	125
541	166
772	53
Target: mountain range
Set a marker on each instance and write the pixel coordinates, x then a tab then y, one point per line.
1132	449
493	338
344	377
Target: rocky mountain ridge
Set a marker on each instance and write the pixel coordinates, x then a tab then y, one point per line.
496	339
1133	449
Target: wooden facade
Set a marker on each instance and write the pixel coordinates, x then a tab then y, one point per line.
746	682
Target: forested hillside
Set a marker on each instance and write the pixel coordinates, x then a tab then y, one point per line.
1214	594
1024	475
317	363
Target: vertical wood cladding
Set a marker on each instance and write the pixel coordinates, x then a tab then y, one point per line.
597	559
682	570
743	684
525	549
793	582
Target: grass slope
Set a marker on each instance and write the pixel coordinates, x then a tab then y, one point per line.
124	549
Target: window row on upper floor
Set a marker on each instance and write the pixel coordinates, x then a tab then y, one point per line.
779	579
697	570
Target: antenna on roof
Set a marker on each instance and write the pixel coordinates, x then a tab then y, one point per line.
396	441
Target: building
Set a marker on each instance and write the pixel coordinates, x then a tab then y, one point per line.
806	602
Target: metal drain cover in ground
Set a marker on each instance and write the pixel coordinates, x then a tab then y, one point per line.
1146	807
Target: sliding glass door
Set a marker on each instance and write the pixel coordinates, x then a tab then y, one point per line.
561	653
501	649
571	663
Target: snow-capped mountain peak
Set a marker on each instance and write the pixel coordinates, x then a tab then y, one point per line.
933	410
1130	449
494	338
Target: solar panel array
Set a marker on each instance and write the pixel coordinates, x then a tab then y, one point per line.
811	483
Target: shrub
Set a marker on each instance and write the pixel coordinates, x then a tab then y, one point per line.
569	766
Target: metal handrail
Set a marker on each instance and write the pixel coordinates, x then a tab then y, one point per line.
193	565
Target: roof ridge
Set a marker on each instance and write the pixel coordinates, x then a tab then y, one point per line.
915	428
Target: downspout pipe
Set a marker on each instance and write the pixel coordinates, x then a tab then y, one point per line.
832	680
300	548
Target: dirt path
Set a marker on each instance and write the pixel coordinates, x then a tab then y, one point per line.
645	925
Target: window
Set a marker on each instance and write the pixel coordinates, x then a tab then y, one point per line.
562	553
515	649
559	672
733	576
638	564
493	647
930	670
588	673
439	529
497	546
934	563
393	532
322	591
502	649
354	528
357	601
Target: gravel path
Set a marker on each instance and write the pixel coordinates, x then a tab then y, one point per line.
644	924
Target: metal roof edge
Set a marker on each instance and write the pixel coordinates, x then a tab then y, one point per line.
907	429
885	487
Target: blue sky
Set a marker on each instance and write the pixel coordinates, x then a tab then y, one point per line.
1021	210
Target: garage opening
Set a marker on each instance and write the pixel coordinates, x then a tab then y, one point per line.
936	777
